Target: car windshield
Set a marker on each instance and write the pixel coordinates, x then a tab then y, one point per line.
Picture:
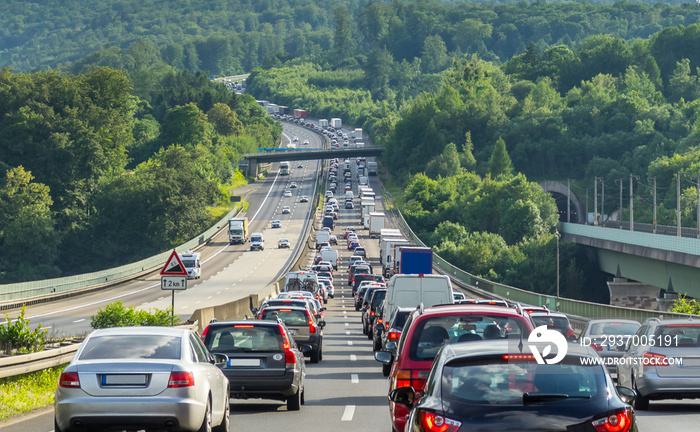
613	328
289	317
121	347
434	332
243	337
499	381
400	319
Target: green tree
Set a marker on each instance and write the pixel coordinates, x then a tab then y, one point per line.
28	240
446	164
466	156
500	163
434	56
224	120
343	41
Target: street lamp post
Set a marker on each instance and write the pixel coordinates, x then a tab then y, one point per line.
558	235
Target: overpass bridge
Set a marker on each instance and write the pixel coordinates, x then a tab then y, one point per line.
651	264
278	155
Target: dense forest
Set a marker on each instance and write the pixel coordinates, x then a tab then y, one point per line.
96	176
473	102
235	36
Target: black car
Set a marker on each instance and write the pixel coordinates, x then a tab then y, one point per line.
373	299
264	360
494	385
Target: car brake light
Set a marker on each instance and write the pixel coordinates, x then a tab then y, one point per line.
570	333
204	333
618	422
436	423
371	313
393	335
69	380
181	379
285	340
597	347
312	327
653	359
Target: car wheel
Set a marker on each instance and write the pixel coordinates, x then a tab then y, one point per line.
225	424
316	355
357	308
640	402
294	402
206	422
303	396
320	354
386	369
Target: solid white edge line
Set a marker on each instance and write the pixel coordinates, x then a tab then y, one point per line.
348	413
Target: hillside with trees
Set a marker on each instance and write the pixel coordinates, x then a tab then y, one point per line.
95	177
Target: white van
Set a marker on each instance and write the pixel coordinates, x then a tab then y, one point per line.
257	242
330	255
323	236
349	195
409	291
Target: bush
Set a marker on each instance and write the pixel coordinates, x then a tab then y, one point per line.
17	336
117	315
682	305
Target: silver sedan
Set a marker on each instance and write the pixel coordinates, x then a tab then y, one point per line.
143	378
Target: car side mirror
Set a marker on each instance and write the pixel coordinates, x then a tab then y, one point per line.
306	349
219	359
626	394
404	396
383	357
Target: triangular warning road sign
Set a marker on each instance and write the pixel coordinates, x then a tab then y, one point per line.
174	266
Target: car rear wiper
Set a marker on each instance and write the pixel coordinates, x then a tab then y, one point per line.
543	397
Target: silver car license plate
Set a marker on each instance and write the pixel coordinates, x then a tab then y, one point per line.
292	332
121	379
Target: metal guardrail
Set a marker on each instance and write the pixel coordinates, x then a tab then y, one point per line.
14	295
577	308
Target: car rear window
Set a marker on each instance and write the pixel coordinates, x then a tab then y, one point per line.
613	328
378	298
677	335
400	319
433	332
557	323
289	317
119	347
243	338
499	381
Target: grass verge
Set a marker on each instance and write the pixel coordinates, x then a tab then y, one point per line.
23	393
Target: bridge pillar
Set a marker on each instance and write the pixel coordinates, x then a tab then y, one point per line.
625	293
253	168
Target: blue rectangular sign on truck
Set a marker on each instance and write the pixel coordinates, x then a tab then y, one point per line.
414	260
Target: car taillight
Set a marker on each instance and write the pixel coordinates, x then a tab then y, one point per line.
312	327
652	359
597	347
290	358
436	423
285	340
393	335
380	321
204	333
371	313
69	380
570	333
411	378
621	421
181	379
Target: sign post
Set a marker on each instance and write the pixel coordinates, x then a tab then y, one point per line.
173	277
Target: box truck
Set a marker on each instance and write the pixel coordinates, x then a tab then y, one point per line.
376	223
384	248
371	168
336	123
323	123
412	260
300	113
238	230
390	245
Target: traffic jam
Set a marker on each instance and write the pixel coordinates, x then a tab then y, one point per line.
451	362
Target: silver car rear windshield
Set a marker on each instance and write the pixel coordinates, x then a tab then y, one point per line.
132	347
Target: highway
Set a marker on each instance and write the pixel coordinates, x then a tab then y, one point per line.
346	390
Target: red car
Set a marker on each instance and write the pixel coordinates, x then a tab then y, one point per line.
427	330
